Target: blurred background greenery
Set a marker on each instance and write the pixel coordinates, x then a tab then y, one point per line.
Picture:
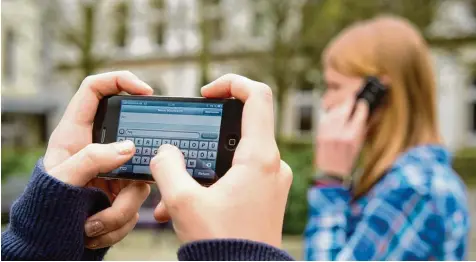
176	46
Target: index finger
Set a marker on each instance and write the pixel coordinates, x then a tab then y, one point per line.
258	114
82	107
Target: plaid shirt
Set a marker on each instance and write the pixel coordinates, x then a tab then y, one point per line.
417	211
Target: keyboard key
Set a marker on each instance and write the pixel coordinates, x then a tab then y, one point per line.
165	141
131	139
194	144
138	150
123	169
184	152
184	144
192	163
139	141
157	142
213	145
154	151
209	135
202	154
148	142
142	170
192	153
147	150
136	160
145	160
120	139
212	155
203	145
176	143
204	173
206	164
190	171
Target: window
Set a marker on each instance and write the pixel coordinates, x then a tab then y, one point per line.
213	20
8	61
216	26
305	118
258	23
158	25
121	18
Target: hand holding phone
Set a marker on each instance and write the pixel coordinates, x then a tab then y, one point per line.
246	203
341	131
206	131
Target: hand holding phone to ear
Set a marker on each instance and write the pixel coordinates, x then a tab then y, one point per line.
340	137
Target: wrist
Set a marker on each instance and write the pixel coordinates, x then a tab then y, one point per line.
331	179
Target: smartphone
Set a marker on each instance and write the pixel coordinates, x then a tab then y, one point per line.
207	132
373	91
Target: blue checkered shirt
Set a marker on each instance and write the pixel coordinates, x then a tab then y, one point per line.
417	211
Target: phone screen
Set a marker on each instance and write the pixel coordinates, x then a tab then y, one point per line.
193	127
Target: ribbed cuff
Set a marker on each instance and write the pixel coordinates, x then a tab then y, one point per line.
47	221
231	249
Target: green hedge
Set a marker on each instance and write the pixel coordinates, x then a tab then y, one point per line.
464	163
299	156
19	161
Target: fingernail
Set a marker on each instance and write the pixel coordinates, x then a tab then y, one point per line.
92	244
124	147
93	227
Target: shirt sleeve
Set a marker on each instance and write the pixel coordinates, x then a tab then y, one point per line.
231	250
47	220
392	226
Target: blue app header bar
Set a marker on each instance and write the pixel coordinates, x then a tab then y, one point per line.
171	104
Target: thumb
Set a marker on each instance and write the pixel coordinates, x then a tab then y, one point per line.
85	165
168	170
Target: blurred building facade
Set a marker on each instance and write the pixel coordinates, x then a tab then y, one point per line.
160	41
30	104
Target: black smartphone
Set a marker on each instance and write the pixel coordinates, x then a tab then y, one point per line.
373	91
207	132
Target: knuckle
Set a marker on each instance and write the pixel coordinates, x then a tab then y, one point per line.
121	218
127	73
87	81
265	91
91	156
269	162
230	76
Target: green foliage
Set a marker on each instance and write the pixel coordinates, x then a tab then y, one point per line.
299	156
464	163
19	161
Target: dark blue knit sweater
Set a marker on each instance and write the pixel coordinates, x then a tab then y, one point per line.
47	223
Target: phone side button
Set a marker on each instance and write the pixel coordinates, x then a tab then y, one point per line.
204	173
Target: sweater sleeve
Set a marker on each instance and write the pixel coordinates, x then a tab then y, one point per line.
47	220
231	249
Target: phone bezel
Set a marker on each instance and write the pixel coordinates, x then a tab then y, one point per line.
107	118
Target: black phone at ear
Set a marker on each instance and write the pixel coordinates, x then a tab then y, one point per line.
373	92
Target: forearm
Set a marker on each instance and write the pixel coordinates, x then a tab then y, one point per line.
47	221
231	249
